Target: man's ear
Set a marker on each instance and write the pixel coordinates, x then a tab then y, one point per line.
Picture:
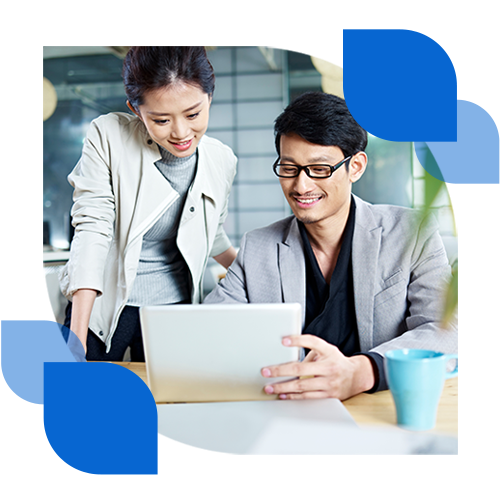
357	166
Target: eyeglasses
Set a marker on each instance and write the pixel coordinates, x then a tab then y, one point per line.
313	171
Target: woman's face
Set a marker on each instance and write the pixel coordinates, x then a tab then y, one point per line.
176	117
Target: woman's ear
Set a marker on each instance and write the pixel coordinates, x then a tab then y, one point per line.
133	109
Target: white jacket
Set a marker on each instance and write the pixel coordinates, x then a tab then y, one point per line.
119	194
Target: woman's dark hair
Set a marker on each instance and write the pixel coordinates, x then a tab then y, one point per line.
322	119
151	68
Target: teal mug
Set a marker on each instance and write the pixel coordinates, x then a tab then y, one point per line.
416	380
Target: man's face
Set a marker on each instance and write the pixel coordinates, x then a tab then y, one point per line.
318	201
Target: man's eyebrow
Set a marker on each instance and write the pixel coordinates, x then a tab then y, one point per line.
312	161
155	113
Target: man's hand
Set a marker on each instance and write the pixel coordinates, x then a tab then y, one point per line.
328	373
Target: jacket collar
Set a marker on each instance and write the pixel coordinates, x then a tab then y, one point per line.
365	254
292	266
204	181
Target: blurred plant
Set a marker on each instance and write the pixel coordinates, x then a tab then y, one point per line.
434	187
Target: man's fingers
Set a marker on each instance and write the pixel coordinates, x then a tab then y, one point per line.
308	342
309	384
294	369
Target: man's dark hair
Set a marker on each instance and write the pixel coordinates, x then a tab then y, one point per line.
322	119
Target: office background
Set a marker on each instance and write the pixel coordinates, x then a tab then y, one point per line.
253	86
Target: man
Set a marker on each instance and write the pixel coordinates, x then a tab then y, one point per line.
370	278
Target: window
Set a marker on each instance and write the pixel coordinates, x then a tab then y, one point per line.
253	86
250	93
87	84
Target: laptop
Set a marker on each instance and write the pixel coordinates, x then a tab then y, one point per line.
205	352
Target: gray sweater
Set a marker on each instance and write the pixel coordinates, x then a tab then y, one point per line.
162	275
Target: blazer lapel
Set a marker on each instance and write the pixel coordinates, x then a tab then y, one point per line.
201	195
204	181
365	254
154	193
195	227
292	268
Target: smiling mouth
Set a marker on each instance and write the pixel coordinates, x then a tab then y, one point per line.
307	202
182	145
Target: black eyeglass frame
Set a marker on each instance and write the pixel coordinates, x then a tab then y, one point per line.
306	168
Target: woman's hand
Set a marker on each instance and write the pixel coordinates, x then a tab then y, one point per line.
83	301
226	258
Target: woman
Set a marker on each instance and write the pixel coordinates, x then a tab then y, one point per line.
150	197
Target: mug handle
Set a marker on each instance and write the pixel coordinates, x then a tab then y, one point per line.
453	373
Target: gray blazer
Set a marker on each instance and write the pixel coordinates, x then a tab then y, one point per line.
400	273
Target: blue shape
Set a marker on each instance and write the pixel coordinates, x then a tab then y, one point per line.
74	344
400	85
427	160
101	418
